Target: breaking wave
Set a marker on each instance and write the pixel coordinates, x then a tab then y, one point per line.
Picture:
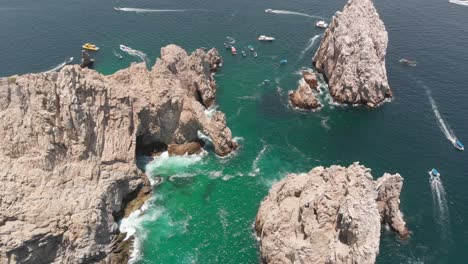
133	226
136	53
459	2
166	165
147	10
310	44
287	12
61	65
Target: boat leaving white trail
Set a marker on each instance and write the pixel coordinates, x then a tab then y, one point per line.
310	44
440	204
61	65
146	10
440	121
459	2
135	53
286	12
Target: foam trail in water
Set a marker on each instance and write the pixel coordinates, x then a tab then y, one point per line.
231	40
255	168
146	10
135	53
459	2
61	65
166	165
440	121
440	204
310	44
286	12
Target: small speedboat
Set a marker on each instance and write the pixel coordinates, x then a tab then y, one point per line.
255	54
244	54
408	62
283	62
250	47
321	24
89	46
233	50
434	173
266	38
458	145
270	11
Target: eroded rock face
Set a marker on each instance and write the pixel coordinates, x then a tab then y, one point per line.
67	149
303	97
352	55
329	215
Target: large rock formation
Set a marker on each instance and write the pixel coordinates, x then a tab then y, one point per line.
352	55
68	142
303	97
329	215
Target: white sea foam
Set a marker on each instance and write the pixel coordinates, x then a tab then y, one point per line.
287	12
211	110
136	53
147	10
459	2
204	137
309	45
444	127
133	225
61	65
166	165
255	168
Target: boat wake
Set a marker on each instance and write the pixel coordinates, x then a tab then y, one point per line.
441	210
449	134
61	65
459	2
310	44
146	10
286	12
135	53
231	40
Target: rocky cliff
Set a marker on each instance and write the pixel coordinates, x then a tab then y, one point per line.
304	96
352	55
329	215
68	145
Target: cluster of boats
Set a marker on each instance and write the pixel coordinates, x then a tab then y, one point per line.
92	47
243	52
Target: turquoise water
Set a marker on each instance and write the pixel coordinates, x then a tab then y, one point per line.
205	209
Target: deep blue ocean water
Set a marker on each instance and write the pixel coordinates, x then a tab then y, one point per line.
204	211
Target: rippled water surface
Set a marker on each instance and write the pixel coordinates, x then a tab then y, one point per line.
205	209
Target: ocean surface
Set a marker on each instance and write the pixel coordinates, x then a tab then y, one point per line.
204	210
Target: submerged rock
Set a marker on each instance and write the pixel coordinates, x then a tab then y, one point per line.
68	144
352	55
329	215
303	97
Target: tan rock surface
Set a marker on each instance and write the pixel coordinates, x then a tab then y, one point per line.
329	215
67	149
352	55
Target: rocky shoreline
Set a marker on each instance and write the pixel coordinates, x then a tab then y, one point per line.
69	142
329	215
352	53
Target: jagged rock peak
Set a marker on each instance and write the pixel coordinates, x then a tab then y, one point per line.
328	215
352	55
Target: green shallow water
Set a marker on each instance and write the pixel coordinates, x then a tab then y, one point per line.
205	209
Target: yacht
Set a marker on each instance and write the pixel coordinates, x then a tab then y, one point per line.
321	24
434	173
457	144
266	38
270	11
